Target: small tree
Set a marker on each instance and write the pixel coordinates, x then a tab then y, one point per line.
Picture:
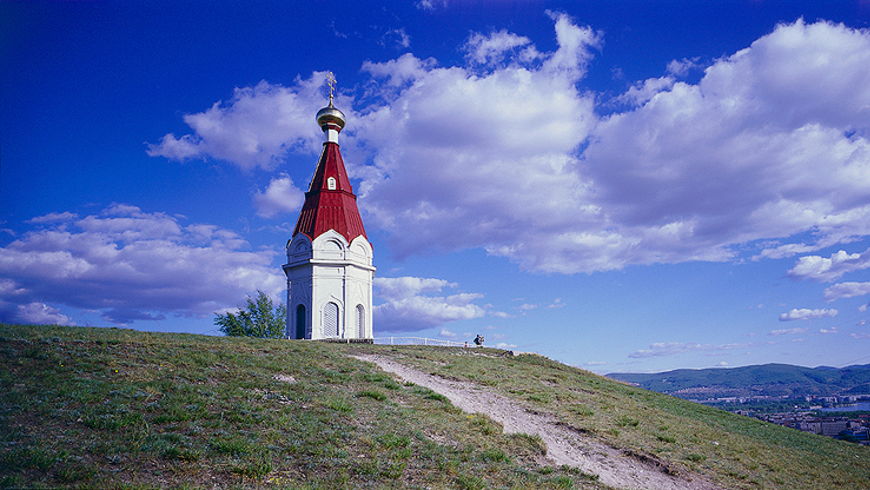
259	318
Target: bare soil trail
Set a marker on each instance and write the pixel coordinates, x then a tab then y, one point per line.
614	467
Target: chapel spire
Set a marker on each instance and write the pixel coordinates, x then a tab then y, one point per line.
330	202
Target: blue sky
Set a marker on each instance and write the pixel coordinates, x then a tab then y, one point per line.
623	186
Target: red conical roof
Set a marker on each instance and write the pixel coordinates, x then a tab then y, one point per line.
330	209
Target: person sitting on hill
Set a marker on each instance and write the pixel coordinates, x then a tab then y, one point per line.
478	341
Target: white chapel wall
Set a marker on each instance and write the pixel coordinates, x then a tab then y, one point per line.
329	270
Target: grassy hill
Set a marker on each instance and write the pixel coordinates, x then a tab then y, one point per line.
766	379
121	408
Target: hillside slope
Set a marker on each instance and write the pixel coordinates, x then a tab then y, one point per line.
766	379
109	407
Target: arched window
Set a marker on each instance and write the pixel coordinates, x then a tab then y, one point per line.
300	322
330	183
360	321
330	320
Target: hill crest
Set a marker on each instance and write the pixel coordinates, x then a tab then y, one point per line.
112	407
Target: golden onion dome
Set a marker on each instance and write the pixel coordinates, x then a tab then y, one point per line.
330	114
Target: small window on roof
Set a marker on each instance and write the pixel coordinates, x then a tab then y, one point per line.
330	183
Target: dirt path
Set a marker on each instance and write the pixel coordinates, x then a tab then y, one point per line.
564	445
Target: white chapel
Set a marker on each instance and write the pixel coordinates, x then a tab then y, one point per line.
329	258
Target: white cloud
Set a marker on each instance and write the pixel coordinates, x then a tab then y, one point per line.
754	150
53	218
492	48
786	331
681	68
505	345
576	44
786	250
8	287
641	92
400	287
661	349
133	265
447	333
771	144
457	147
847	290
42	314
398	37
687	176
280	196
255	128
828	269
861	335
431	4
405	68
805	314
527	307
409	304
831	330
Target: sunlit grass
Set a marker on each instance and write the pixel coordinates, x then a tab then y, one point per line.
89	407
735	451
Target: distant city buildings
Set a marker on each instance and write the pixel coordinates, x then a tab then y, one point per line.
811	417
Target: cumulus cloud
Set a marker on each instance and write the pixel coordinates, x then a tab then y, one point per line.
132	265
827	331
53	218
824	269
641	92
460	147
786	250
754	150
255	128
280	196
662	349
804	314
413	303
769	145
847	290
42	314
493	48
405	68
691	173
681	68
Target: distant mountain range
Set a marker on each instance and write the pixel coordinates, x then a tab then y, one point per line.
760	380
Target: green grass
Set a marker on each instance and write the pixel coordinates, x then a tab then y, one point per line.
91	407
732	450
